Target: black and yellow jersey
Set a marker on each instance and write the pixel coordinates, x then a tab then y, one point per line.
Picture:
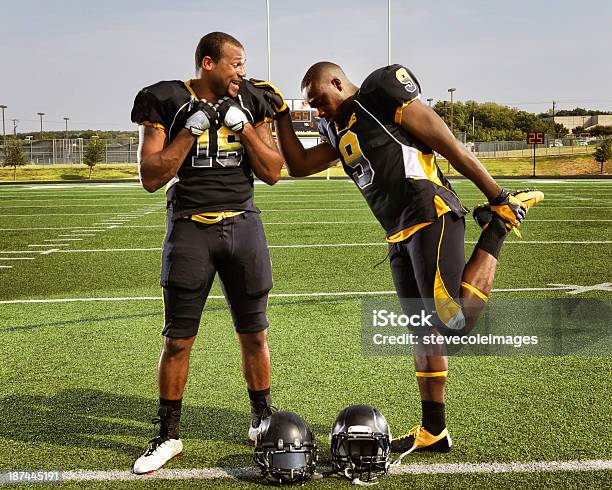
216	175
396	173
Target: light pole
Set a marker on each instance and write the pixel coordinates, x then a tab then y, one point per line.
429	101
29	140
3	127
66	119
15	121
268	39
41	114
130	150
388	32
451	90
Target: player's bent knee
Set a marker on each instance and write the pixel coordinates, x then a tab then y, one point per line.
457	322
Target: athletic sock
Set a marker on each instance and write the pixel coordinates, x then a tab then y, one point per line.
492	239
260	399
169	413
433	417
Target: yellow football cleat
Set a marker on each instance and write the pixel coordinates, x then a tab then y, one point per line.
529	198
483	214
418	438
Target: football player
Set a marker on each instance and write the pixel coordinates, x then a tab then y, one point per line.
204	139
385	138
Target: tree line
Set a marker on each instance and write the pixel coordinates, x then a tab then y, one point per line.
15	157
480	121
493	122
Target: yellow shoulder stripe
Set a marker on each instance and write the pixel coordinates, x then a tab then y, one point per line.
188	85
159	126
400	109
266	120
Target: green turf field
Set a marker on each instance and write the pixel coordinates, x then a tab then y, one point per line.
77	377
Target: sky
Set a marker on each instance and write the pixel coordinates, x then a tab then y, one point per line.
86	60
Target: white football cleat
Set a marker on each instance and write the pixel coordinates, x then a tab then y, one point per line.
160	451
254	432
257	417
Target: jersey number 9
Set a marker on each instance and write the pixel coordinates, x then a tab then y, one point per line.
362	172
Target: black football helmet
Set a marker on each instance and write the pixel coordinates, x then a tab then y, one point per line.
285	448
360	443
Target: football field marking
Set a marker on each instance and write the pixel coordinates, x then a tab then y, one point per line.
605	286
78	229
269	200
569	288
314	245
407	469
64	240
47	245
363	208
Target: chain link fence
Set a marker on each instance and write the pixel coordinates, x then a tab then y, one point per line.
71	151
555	147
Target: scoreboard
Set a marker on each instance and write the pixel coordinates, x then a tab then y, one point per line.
535	138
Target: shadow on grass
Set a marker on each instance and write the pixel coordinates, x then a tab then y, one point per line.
82	321
73	176
93	419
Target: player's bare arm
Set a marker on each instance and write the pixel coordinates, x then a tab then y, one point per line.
160	162
423	122
302	162
265	159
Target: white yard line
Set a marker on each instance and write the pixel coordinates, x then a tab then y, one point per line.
66	240
318	245
264	210
46	245
69	205
39	215
407	469
298	223
365	208
273	295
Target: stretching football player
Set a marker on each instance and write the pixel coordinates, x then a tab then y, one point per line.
385	137
203	139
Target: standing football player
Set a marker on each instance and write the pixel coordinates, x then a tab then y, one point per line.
203	139
385	138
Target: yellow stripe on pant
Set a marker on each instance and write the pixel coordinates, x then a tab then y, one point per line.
214	216
446	307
